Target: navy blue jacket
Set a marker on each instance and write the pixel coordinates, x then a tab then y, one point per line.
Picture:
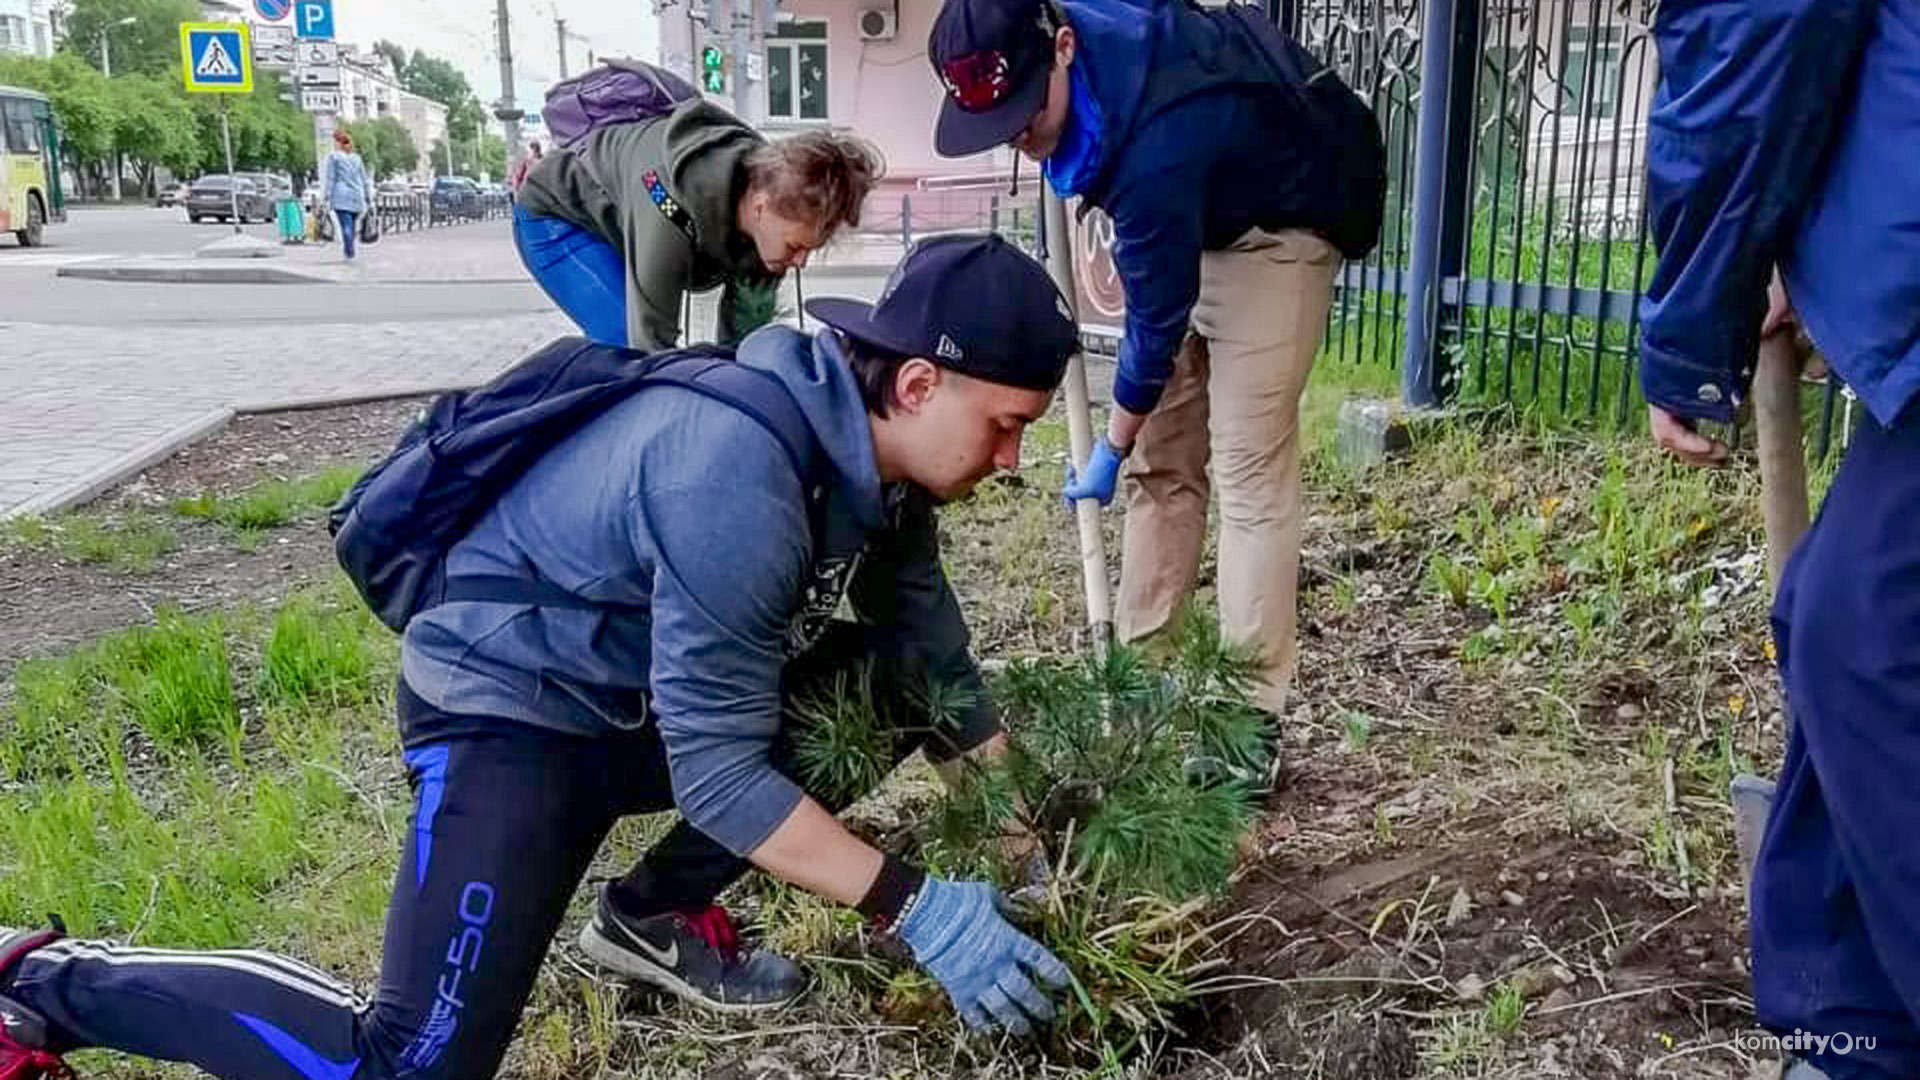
1209	127
689	516
1788	132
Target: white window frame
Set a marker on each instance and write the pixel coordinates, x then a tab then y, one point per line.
1596	53
792	47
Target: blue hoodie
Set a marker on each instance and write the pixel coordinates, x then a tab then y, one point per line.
1203	137
688	514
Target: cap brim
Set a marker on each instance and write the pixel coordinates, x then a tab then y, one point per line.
959	133
854	318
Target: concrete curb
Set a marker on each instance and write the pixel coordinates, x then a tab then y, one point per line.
129	464
256	408
193	274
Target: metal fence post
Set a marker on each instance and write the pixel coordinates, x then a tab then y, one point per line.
1443	194
906	220
1286	15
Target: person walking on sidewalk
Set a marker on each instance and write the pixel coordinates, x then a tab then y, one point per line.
1783	133
622	632
621	226
345	189
1237	171
526	165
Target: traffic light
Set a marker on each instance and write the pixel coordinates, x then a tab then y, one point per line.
713	76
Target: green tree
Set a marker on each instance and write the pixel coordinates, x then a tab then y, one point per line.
438	80
268	133
155	127
396	55
485	156
386	146
81	100
149	46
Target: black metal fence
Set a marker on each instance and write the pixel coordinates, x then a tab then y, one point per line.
1516	248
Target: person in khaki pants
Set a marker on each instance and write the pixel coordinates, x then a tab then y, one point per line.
1234	399
1239	173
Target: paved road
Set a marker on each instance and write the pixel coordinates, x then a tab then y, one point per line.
124	231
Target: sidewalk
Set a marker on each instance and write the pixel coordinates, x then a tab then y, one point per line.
479	252
83	407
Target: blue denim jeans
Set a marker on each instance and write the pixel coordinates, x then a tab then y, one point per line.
583	274
349	231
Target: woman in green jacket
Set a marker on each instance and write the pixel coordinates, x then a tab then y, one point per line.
620	227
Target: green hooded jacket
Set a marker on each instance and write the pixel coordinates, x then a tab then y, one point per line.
699	153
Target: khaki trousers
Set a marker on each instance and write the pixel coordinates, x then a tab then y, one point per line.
1234	399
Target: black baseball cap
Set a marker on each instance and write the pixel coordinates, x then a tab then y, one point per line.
970	302
993	57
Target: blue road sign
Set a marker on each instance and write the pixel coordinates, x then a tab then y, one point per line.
313	18
273	10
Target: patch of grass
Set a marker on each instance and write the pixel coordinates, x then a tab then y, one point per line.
58	729
130	543
281	844
1506	1007
175	681
271	504
320	653
1458	1044
1356	731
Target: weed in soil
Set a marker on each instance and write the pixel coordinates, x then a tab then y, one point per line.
128	543
271	504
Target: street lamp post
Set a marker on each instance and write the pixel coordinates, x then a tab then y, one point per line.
106	72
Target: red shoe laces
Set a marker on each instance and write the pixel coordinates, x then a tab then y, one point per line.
716	929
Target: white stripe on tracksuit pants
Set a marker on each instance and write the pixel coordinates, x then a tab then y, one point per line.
505	825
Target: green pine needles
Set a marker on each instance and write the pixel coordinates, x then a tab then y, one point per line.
1131	777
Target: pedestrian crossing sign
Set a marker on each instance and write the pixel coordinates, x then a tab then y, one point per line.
215	58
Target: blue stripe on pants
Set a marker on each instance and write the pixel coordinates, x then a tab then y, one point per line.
429	765
1836	895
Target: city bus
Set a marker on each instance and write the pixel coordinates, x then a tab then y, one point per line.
30	195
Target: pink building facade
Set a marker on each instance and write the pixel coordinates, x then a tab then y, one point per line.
853	65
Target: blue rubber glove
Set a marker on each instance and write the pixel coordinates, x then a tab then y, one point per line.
1103	471
987	967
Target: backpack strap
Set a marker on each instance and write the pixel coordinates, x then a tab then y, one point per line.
759	394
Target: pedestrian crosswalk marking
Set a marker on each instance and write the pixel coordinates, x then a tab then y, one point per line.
215	63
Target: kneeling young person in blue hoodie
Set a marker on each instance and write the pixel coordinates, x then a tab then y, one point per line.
1238	173
528	730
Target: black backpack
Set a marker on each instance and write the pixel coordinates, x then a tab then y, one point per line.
393	530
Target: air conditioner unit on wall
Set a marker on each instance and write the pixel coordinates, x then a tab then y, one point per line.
879	24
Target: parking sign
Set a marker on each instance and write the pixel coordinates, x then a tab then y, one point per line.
313	18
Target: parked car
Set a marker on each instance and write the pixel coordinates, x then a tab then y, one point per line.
272	185
455	198
216	197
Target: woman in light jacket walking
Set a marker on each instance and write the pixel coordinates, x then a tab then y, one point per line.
345	188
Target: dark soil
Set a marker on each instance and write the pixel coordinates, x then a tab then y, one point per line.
49	604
